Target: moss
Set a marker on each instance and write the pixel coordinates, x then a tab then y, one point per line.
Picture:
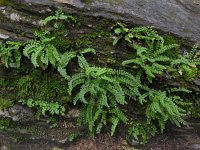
3	83
16	5
115	1
189	73
108	1
170	39
36	131
87	1
6	3
4	123
111	60
5	103
194	108
195	113
62	43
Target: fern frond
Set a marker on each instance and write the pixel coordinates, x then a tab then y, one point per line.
127	62
82	62
114	122
160	59
34	56
88	50
119	95
10	54
163	108
81	95
89	116
74	80
59	15
119	114
29	48
63	72
181	60
165	48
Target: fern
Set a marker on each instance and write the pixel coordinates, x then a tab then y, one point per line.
150	50
115	122
187	65
10	54
140	131
142	33
152	63
54	108
42	52
58	16
163	108
64	61
102	91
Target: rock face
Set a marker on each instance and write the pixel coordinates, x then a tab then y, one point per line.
180	17
17	113
18	18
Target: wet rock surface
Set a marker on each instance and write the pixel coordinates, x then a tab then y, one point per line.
180	17
38	135
17	113
183	138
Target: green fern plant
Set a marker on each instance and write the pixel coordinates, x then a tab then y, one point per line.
140	131
10	54
42	106
102	91
163	108
130	35
69	56
150	50
58	17
41	51
187	65
152	61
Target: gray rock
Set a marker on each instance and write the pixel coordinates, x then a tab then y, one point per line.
180	17
194	147
197	82
3	36
4	147
18	113
73	113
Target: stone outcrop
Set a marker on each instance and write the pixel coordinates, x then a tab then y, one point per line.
18	18
180	17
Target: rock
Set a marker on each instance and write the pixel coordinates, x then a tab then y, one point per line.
17	113
73	113
4	113
197	82
194	147
4	147
63	140
190	134
180	17
23	131
133	142
3	36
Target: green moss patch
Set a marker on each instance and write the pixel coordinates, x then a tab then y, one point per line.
5	103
